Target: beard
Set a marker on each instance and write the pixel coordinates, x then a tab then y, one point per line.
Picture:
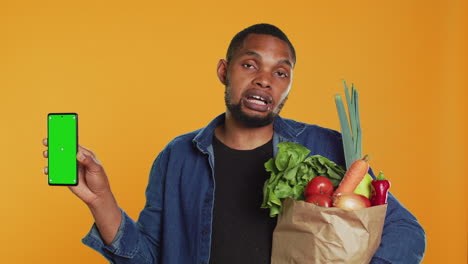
247	120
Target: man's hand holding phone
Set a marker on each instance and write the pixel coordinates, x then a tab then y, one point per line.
94	190
92	179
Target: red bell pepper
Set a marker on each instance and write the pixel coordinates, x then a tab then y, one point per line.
379	190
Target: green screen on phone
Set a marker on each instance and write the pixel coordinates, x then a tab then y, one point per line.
62	134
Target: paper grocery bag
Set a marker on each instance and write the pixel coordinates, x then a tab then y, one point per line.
307	233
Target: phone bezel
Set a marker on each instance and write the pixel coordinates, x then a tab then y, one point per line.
76	175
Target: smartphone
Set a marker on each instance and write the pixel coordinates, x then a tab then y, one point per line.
62	136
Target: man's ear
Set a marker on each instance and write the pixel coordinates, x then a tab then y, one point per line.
222	70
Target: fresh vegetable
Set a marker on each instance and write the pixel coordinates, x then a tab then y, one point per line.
350	201
350	131
352	134
379	190
353	176
364	187
320	199
291	170
320	185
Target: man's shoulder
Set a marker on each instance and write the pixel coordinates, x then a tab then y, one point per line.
325	131
320	140
199	139
183	140
306	129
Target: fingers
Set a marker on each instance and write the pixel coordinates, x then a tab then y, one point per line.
88	159
45	154
86	150
88	153
85	156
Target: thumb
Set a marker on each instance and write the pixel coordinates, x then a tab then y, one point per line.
89	161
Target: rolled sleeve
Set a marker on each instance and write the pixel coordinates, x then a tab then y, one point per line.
124	245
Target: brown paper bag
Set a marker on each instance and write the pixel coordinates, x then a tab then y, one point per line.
306	233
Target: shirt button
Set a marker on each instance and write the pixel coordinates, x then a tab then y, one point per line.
204	232
207	201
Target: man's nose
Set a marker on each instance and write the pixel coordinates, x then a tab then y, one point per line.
262	80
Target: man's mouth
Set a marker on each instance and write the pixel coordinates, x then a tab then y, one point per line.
258	101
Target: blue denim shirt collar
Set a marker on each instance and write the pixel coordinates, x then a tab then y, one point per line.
283	131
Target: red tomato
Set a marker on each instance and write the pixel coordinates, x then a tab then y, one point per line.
319	184
320	200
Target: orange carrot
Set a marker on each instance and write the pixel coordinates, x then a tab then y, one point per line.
353	176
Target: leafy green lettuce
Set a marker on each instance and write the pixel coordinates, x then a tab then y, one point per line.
291	171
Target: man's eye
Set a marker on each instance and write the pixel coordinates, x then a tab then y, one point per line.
246	65
282	74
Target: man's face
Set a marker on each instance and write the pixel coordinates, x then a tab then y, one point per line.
258	80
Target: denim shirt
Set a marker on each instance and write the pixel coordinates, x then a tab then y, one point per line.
175	225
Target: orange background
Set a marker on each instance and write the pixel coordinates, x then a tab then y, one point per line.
140	74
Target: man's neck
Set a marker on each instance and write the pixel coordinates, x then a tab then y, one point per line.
237	136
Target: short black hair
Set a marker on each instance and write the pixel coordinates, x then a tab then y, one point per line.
265	29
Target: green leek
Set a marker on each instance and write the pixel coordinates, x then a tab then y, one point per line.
350	129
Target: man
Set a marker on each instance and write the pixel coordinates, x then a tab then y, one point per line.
205	187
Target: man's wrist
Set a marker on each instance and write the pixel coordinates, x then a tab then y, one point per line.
104	202
107	216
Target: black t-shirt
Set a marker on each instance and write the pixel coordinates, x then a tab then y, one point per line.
242	231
